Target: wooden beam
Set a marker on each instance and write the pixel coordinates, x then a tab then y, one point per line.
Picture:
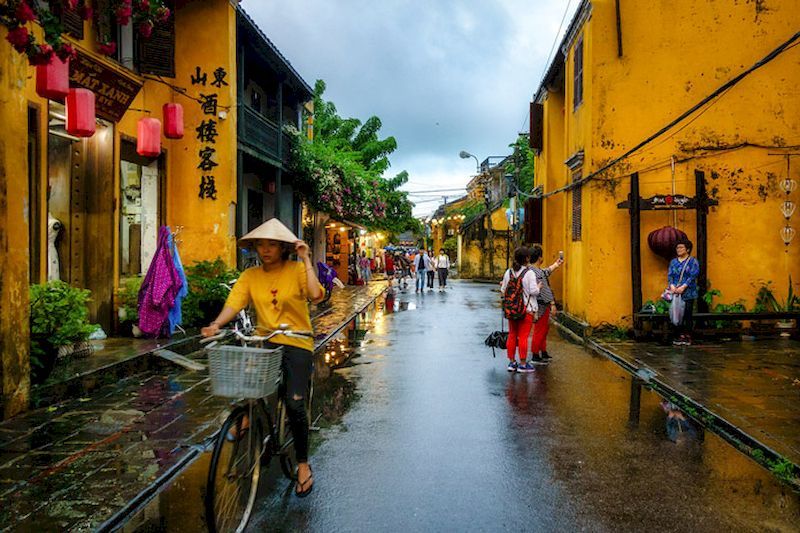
636	247
702	238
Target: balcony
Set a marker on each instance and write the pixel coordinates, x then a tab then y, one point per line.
259	136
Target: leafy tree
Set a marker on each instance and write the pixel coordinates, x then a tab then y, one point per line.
341	170
523	159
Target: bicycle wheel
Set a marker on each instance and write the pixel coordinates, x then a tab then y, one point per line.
235	471
286	454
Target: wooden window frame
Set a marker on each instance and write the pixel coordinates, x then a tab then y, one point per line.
577	74
577	208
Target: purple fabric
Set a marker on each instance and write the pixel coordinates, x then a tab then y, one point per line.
159	288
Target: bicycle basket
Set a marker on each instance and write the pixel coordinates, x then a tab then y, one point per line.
244	372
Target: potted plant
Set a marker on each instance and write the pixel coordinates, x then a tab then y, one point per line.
59	318
207	291
767	302
128	311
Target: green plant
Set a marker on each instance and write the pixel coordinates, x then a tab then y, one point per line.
59	317
450	245
661	306
206	291
129	300
783	470
767	302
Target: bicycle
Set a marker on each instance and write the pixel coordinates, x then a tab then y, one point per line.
250	436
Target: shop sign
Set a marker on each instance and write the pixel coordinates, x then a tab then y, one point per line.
114	92
207	131
666	201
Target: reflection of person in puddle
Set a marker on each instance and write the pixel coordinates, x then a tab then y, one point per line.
280	290
677	424
388	306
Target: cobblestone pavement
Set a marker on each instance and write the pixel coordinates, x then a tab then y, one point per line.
753	385
72	465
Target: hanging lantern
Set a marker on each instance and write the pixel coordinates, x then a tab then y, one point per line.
80	112
173	121
52	79
788	185
148	140
787	208
662	241
787	234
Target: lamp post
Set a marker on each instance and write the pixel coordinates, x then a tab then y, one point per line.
488	203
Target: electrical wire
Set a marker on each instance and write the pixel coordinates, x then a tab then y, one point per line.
790	43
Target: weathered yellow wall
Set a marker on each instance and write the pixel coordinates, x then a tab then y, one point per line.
14	314
674	54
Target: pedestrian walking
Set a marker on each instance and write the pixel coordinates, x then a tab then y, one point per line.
431	272
364	267
403	268
389	269
422	263
682	281
519	289
546	304
442	268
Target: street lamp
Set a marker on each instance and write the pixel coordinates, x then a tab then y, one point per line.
466	155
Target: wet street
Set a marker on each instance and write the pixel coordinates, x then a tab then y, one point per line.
423	430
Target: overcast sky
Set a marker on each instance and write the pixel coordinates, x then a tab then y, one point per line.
443	75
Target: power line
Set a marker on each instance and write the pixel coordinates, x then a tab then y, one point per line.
719	91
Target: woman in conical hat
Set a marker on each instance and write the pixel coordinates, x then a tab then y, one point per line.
280	290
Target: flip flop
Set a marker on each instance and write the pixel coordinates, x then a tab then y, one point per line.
306	492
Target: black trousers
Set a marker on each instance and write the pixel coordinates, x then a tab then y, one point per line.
429	274
687	324
442	277
298	366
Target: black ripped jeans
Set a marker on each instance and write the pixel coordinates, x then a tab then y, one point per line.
297	365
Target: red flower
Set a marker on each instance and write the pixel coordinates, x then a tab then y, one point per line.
146	29
144	5
86	12
67	52
19	38
24	13
109	48
163	14
42	56
71	4
123	14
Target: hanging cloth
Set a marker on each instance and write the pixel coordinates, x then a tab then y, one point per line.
159	288
175	317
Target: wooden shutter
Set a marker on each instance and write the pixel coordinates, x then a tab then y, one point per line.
577	208
533	221
536	137
157	54
577	93
71	21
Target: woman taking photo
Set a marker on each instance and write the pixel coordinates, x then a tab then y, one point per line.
682	279
280	290
519	289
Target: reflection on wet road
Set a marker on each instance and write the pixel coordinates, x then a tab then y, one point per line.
430	433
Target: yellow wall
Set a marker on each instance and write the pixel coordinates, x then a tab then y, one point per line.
674	54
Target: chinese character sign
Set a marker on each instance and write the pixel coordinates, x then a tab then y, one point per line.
207	132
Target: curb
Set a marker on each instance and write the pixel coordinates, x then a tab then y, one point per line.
759	452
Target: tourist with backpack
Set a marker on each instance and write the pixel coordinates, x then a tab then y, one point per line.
519	289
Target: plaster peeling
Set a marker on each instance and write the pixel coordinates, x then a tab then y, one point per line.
216	229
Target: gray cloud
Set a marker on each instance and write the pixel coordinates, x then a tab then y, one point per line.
443	76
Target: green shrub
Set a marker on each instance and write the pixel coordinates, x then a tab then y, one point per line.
129	300
59	317
206	293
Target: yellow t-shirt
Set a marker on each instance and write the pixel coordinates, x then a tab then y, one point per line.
279	297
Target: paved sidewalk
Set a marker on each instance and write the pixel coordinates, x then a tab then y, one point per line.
754	386
75	464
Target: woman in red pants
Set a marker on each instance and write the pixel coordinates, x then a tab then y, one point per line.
519	289
546	304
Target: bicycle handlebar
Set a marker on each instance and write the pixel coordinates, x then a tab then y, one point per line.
257	338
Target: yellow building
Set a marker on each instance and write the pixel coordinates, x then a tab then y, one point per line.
87	210
626	70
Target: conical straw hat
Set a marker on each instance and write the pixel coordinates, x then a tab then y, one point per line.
272	229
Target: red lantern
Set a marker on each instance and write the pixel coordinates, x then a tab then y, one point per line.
80	113
662	241
173	121
52	79
148	141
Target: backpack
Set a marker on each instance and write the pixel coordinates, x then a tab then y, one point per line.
515	305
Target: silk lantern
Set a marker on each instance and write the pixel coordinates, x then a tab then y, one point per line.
80	112
173	121
52	79
662	241
148	140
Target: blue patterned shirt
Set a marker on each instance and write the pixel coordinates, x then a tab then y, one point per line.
689	276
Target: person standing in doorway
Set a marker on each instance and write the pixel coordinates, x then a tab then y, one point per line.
519	289
546	303
442	268
682	279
